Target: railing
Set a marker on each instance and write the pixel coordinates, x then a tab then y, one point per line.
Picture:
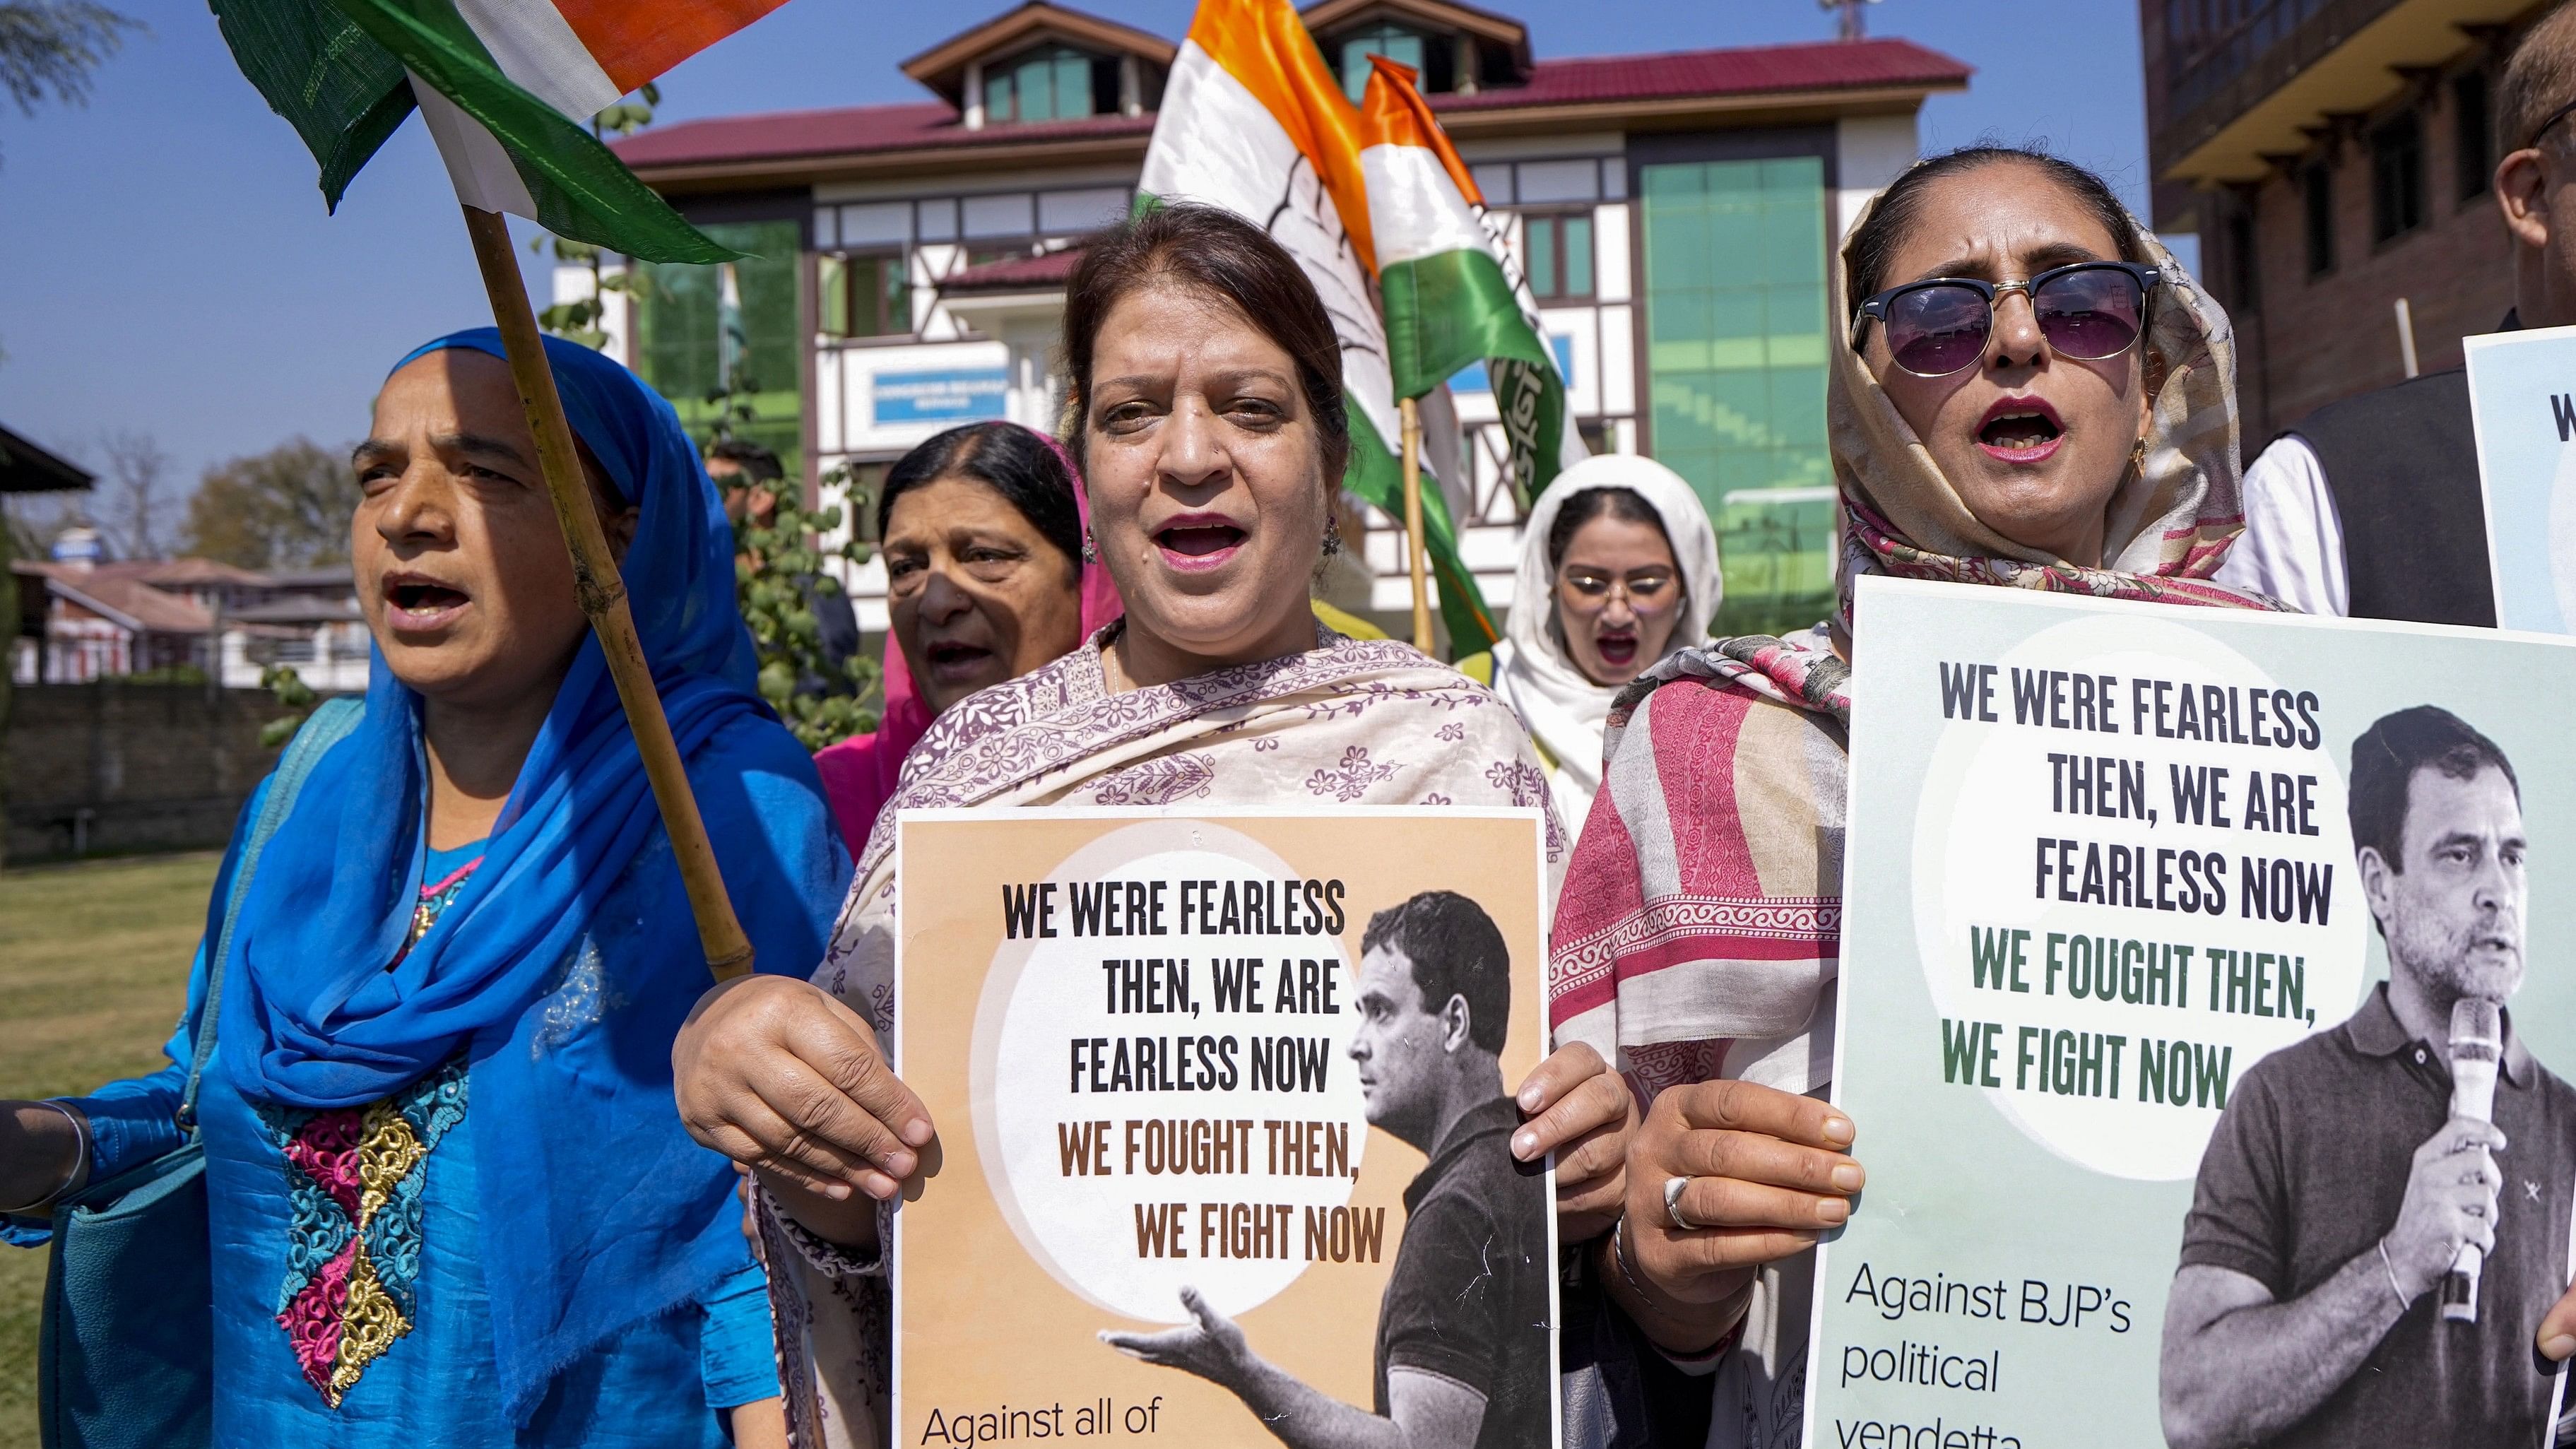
2220	61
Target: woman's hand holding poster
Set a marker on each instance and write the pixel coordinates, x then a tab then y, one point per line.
2161	924
1235	1159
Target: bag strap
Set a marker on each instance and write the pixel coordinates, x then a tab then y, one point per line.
329	723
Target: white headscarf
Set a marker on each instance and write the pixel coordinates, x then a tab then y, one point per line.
1562	709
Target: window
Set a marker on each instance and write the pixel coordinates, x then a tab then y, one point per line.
2244	273
2318	182
1392	41
682	340
1054	83
1734	293
2397	177
2472	134
864	295
1558	251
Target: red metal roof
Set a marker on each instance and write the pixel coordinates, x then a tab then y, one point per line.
1743	71
1747	70
1048	269
847	129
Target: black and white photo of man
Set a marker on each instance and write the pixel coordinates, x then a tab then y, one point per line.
2338	1187
1462	1358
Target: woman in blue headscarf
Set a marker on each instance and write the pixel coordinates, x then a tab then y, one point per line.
450	1201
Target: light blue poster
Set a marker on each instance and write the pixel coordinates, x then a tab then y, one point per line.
2164	1144
2522	391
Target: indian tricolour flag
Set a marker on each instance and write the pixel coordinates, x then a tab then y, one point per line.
506	87
1253	122
1452	295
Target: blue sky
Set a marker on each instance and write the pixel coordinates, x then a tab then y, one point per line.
169	268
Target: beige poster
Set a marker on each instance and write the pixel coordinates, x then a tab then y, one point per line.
1224	1114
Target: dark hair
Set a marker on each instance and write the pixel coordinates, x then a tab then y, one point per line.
1224	257
1456	951
756	462
1007	458
1875	243
2539	77
1625	504
2384	762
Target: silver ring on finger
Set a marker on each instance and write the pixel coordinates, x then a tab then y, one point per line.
1673	1203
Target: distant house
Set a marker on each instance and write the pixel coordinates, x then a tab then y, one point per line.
82	620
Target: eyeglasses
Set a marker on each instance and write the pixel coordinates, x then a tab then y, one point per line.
2086	311
1643	588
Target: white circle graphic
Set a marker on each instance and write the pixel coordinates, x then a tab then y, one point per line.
1133	1122
2104	977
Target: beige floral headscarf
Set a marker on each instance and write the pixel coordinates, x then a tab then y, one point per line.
2170	521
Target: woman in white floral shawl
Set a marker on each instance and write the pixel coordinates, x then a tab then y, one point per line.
1206	411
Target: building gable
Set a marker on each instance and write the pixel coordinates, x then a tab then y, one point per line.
1045	62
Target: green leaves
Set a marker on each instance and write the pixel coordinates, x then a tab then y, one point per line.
289	689
776	562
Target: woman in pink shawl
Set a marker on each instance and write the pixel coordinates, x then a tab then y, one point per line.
2031	394
985	581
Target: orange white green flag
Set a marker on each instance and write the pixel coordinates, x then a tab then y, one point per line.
506	88
1253	122
1452	295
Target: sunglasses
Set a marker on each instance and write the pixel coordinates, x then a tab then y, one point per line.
2087	311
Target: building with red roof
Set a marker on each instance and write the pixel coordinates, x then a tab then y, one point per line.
1674	213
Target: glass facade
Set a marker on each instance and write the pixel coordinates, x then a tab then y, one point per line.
679	336
1735	352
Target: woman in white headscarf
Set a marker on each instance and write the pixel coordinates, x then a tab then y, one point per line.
1618	569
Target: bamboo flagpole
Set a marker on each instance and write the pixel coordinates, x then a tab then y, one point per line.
602	595
1412	437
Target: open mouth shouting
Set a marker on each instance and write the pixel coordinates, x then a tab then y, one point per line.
1618	647
419	604
954	663
1198	542
2021	429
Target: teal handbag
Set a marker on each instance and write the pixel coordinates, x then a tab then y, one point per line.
125	1356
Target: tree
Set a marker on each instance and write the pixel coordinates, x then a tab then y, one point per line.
136	498
286	508
51	46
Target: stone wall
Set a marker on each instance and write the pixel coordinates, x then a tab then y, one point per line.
110	767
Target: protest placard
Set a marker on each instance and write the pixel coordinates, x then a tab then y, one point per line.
2522	394
1224	1124
2142	1096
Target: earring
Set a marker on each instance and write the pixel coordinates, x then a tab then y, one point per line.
1090	548
2138	458
1332	534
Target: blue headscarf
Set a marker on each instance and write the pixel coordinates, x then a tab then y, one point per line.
595	1206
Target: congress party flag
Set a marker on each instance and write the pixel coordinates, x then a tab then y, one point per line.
1452	298
505	87
1253	122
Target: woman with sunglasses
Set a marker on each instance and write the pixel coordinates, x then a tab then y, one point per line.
2030	394
1618	569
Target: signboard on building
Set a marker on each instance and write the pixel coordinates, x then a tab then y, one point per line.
948	395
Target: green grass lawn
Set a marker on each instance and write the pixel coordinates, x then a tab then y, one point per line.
93	973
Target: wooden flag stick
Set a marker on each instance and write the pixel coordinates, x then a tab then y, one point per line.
1412	449
602	594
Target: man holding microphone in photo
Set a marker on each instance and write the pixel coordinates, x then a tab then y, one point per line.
2325	1297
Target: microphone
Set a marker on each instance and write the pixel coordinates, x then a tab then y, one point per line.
2477	1046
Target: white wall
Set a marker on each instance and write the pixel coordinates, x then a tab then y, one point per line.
1869	152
